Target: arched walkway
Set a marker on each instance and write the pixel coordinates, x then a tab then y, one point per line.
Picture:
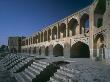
72	27
13	50
62	30
99	50
49	34
40	51
58	50
45	36
30	50
38	37
41	36
84	23
34	50
79	50
47	51
54	33
99	13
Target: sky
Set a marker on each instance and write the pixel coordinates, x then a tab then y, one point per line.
24	17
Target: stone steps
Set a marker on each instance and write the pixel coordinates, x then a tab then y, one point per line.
25	77
62	75
30	73
19	78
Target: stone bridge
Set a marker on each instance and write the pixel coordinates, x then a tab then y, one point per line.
84	34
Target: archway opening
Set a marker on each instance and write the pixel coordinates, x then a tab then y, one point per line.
26	50
62	30
45	36
42	36
84	23
34	50
102	51
99	12
13	50
99	47
47	51
58	50
49	34
54	33
79	50
30	50
72	27
38	37
40	51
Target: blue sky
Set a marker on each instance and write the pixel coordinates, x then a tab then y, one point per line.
24	17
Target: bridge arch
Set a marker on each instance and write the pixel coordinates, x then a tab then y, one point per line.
49	34
58	50
30	50
45	35
42	36
47	51
40	51
79	50
99	13
99	46
13	50
62	30
73	23
61	43
34	50
84	23
54	33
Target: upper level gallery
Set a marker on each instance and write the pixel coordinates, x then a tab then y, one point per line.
79	23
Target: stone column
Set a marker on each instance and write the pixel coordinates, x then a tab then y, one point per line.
91	32
51	35
57	33
78	27
67	28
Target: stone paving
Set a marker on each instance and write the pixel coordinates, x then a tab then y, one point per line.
90	71
82	70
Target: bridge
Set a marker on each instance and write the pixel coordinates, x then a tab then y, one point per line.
84	34
65	50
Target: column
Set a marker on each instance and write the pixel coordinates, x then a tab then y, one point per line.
57	32
51	35
67	28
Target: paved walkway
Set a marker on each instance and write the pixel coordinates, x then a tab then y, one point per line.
89	71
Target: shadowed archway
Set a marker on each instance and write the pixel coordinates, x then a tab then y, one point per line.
99	13
58	50
62	31
34	50
47	51
79	50
13	50
40	51
73	23
99	46
84	23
